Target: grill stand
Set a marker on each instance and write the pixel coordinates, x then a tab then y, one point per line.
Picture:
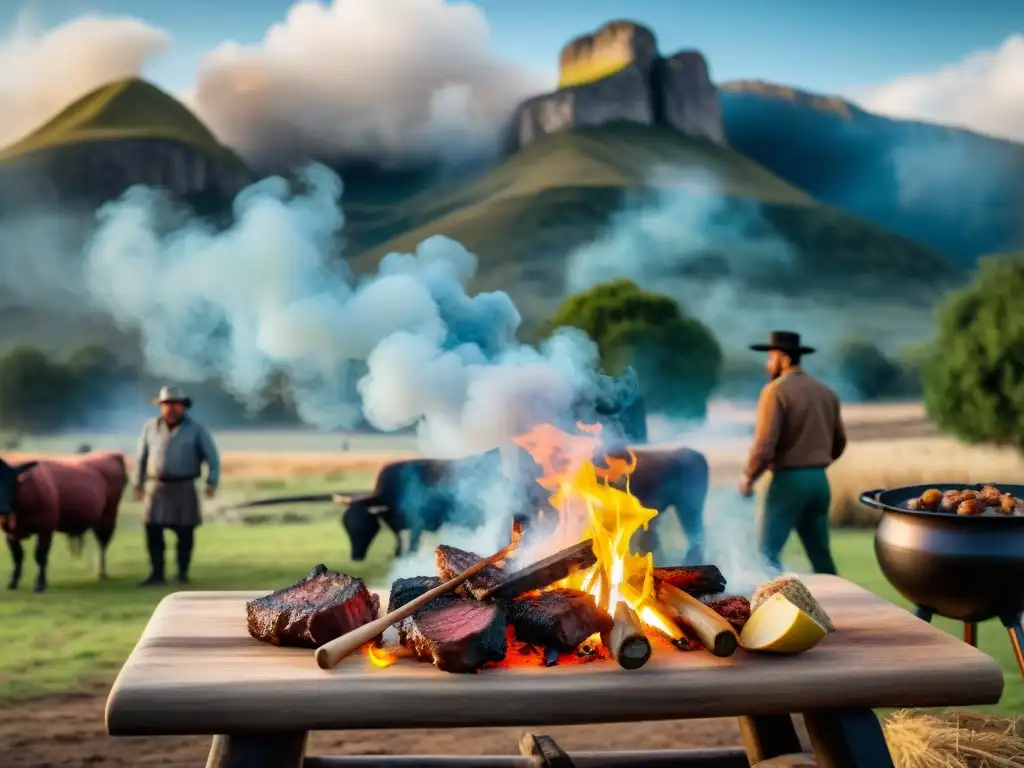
1014	624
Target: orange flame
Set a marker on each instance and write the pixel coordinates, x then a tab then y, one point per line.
587	502
379	656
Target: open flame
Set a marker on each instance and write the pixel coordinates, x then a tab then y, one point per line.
595	503
379	656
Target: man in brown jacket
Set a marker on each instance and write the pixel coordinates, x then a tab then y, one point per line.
799	433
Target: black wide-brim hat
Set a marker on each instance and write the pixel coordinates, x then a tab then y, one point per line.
784	341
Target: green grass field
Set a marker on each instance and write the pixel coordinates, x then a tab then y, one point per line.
80	632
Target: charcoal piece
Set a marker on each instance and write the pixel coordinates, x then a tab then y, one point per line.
323	605
407	590
734	609
695	580
451	561
457	634
557	618
544	573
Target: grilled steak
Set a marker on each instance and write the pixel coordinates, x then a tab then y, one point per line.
695	580
451	561
458	634
557	618
322	606
404	590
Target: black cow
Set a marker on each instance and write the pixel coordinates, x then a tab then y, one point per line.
421	495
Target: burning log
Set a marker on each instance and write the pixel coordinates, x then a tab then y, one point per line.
329	654
654	614
714	632
544	572
626	640
696	580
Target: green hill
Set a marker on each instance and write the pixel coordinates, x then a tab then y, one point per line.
524	216
125	109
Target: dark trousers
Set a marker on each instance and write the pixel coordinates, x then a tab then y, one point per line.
798	499
185	535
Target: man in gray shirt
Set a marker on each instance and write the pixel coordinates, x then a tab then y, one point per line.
172	450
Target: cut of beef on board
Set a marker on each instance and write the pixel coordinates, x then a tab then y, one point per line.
458	634
406	590
451	561
557	618
323	605
695	580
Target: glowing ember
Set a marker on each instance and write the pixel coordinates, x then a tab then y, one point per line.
379	656
590	507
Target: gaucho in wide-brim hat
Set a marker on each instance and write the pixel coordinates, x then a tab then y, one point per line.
783	341
172	394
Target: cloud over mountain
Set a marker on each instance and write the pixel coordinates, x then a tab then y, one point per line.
983	92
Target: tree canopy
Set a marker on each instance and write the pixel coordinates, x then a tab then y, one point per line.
973	374
866	368
677	359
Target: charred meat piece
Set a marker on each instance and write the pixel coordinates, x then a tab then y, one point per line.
322	606
405	590
696	580
458	634
735	610
545	572
451	561
557	618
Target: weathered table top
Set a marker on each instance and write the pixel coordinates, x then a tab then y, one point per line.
196	670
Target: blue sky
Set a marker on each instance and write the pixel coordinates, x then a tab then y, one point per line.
820	45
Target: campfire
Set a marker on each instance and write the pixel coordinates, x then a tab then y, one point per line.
572	591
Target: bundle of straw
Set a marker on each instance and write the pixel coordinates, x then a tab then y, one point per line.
954	740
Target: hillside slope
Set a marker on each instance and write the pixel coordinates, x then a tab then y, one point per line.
953	190
524	217
123	133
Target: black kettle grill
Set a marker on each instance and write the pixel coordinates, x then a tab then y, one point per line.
966	568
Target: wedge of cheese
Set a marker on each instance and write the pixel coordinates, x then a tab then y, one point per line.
779	626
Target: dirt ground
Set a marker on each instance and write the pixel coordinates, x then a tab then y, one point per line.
68	732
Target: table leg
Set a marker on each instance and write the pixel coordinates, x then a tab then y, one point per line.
971	633
768	736
250	750
1015	626
847	739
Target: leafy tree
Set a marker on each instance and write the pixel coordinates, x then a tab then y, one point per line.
677	359
869	370
33	391
974	372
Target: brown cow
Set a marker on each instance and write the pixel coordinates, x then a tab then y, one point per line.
72	496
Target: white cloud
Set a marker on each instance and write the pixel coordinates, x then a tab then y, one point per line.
983	92
388	77
40	74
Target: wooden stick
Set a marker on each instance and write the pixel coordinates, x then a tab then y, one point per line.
661	619
714	632
544	572
330	653
626	640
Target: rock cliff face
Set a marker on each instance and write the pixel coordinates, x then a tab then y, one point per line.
617	74
103	170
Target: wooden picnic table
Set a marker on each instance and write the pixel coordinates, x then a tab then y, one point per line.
195	670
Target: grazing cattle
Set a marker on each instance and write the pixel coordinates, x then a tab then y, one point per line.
421	495
41	498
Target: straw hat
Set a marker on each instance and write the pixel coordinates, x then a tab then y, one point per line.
172	394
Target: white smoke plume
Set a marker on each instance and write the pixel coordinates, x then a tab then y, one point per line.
271	293
42	73
389	79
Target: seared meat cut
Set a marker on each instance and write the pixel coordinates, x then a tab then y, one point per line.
323	605
458	634
405	590
557	618
695	580
735	609
451	561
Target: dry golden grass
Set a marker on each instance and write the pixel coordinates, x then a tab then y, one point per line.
954	740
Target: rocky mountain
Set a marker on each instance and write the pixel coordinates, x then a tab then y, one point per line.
123	133
617	74
953	190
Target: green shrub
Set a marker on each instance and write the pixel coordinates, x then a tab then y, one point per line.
974	371
677	359
866	368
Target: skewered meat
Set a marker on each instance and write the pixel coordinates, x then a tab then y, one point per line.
557	618
321	606
451	561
